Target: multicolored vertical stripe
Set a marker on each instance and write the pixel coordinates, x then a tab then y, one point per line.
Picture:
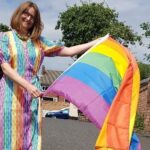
104	85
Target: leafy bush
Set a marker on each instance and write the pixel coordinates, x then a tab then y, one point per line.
139	122
144	70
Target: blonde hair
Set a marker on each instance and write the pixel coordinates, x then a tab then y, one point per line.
37	28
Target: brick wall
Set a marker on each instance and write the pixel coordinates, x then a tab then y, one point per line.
144	102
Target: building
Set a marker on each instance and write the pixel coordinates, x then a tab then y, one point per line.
144	103
46	79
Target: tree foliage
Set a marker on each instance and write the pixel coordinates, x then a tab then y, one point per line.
144	70
146	27
4	28
80	24
139	123
146	35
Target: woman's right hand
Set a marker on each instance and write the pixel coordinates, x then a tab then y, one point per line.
34	91
13	75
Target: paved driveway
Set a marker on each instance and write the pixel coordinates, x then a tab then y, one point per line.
73	135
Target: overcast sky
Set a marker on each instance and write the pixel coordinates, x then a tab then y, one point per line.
132	12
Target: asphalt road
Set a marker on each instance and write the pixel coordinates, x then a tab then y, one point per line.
60	134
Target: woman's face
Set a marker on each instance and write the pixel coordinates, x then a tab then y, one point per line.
27	19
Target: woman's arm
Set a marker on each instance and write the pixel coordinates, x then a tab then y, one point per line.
13	75
78	49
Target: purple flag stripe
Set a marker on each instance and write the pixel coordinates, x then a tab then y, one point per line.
91	103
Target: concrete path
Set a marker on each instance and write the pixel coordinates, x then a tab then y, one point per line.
73	135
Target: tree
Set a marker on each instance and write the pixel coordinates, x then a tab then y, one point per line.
4	28
146	35
80	24
144	70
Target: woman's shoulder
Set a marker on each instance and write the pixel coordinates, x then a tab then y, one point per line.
42	38
5	34
48	42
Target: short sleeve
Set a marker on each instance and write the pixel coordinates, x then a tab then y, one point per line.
4	48
51	48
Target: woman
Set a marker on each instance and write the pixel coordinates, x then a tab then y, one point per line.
21	53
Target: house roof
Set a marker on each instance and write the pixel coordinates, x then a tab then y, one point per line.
49	76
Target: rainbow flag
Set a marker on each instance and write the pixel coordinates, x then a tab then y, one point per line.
104	85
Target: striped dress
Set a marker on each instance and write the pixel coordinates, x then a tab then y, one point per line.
20	115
